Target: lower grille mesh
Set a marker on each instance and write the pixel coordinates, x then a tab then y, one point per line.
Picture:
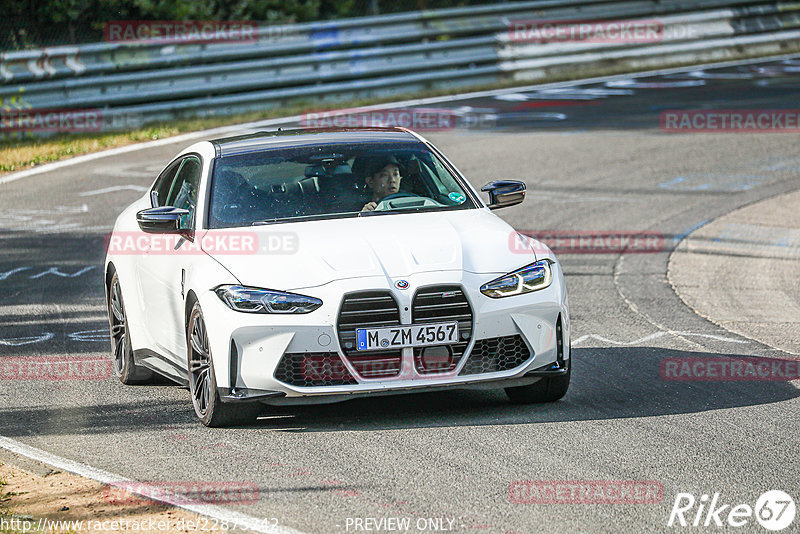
308	369
496	354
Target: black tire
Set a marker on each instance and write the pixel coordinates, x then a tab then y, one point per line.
207	404
122	359
548	389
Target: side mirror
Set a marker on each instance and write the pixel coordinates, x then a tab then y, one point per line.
504	193
161	220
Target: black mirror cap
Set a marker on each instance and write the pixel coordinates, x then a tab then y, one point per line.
161	220
504	193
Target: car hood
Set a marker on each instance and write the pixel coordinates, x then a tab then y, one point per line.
293	256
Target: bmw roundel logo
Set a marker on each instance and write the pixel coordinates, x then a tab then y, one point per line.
401	284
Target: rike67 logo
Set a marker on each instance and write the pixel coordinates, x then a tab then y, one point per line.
774	510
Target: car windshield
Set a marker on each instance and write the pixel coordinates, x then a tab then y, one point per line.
331	180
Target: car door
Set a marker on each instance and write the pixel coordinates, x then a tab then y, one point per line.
166	261
144	270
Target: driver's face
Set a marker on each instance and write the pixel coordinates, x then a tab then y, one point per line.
385	182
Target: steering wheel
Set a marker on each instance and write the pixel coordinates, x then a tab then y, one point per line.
399	194
386	203
393	201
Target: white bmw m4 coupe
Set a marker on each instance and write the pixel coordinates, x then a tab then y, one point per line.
319	266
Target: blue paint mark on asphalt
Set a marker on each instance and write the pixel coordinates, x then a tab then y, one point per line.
714	182
680	237
682	179
784	166
667	185
737	232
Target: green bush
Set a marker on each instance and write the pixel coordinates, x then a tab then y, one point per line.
37	23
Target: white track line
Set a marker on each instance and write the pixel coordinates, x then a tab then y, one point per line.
235	519
414	102
653	336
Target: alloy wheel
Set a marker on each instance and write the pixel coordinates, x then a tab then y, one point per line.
119	329
199	364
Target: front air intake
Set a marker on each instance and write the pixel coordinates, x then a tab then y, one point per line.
496	354
313	369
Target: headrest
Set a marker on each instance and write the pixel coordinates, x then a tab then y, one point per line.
320	170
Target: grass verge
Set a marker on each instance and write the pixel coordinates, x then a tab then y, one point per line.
57	502
11	523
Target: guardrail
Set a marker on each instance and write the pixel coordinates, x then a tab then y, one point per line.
130	83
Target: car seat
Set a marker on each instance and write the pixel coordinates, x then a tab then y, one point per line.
339	189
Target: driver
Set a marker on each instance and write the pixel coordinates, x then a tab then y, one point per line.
383	178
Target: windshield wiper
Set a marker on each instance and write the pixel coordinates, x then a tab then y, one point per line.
301	218
417	209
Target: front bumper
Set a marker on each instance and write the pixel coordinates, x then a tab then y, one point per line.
250	349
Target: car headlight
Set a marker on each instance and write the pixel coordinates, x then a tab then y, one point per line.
254	300
532	277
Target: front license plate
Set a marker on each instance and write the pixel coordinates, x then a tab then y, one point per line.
417	335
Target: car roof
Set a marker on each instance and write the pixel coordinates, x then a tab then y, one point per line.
255	142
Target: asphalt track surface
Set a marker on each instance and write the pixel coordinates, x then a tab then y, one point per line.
594	159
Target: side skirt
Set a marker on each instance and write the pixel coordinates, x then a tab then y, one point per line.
161	365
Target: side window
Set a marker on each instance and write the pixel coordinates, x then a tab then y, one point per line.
164	182
183	193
